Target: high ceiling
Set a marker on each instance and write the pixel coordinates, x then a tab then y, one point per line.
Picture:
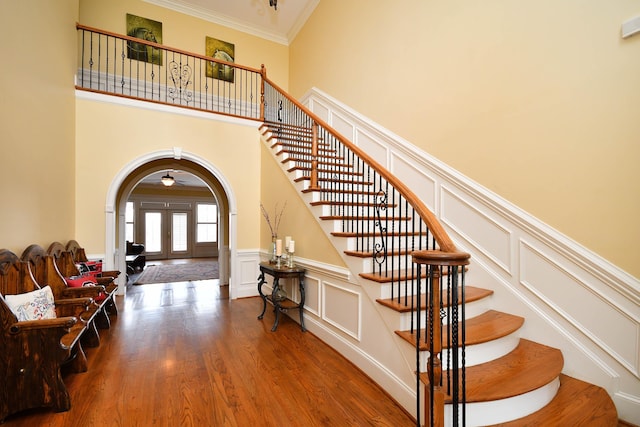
255	17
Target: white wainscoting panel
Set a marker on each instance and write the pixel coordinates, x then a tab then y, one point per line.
342	309
247	268
312	295
423	185
477	228
372	147
581	305
343	127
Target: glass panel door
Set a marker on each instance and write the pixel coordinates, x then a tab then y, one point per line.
153	233
179	235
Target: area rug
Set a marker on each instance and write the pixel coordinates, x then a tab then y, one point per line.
165	273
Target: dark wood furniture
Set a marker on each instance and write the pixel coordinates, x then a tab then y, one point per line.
42	267
33	351
279	301
66	259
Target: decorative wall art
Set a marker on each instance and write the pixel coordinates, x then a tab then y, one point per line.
145	29
221	50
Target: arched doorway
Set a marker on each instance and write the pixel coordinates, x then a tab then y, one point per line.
133	173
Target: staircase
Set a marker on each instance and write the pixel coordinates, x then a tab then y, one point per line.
510	381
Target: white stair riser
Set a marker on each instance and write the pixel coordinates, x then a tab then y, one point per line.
499	411
475	354
395	242
472	309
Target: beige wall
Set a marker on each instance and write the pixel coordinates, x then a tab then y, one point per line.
537	101
188	33
111	137
276	191
37	122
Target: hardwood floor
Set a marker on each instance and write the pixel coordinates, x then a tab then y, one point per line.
183	354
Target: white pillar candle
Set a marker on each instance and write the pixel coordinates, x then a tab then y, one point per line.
287	240
279	247
292	245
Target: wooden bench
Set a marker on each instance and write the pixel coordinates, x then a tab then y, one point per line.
44	270
67	267
33	351
106	278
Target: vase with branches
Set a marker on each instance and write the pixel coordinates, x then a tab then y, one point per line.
274	223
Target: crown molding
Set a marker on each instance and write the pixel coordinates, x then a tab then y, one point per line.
224	20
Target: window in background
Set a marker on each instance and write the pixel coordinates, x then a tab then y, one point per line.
153	232
207	223
128	222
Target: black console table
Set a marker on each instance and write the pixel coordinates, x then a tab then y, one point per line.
279	302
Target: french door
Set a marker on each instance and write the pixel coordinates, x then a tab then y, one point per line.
166	233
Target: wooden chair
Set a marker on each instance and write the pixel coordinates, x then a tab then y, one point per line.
106	278
67	267
45	272
33	351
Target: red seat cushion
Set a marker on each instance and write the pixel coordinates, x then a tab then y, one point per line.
85	280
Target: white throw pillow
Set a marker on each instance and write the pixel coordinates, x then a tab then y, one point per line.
33	305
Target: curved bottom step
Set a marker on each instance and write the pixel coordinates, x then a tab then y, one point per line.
577	403
486	413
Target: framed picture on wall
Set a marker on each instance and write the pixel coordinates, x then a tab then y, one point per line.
148	30
223	51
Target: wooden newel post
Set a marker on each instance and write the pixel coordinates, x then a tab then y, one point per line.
314	157
436	391
434	364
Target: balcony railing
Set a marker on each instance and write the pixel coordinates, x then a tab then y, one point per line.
138	69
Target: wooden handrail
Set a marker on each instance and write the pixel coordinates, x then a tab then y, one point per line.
444	241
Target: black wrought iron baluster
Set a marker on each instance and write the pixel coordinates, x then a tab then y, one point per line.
99	59
91	62
115	63
380	244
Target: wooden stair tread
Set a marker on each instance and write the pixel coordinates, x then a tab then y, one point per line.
369	254
270	125
341	190
300	150
471	294
320	162
325	170
377	234
577	403
488	326
395	275
348	204
340	181
297	139
528	367
398	275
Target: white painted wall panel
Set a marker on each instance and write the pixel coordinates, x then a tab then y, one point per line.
341	308
422	185
312	295
343	127
581	305
477	228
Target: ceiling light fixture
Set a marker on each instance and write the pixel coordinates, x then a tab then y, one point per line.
274	3
167	180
